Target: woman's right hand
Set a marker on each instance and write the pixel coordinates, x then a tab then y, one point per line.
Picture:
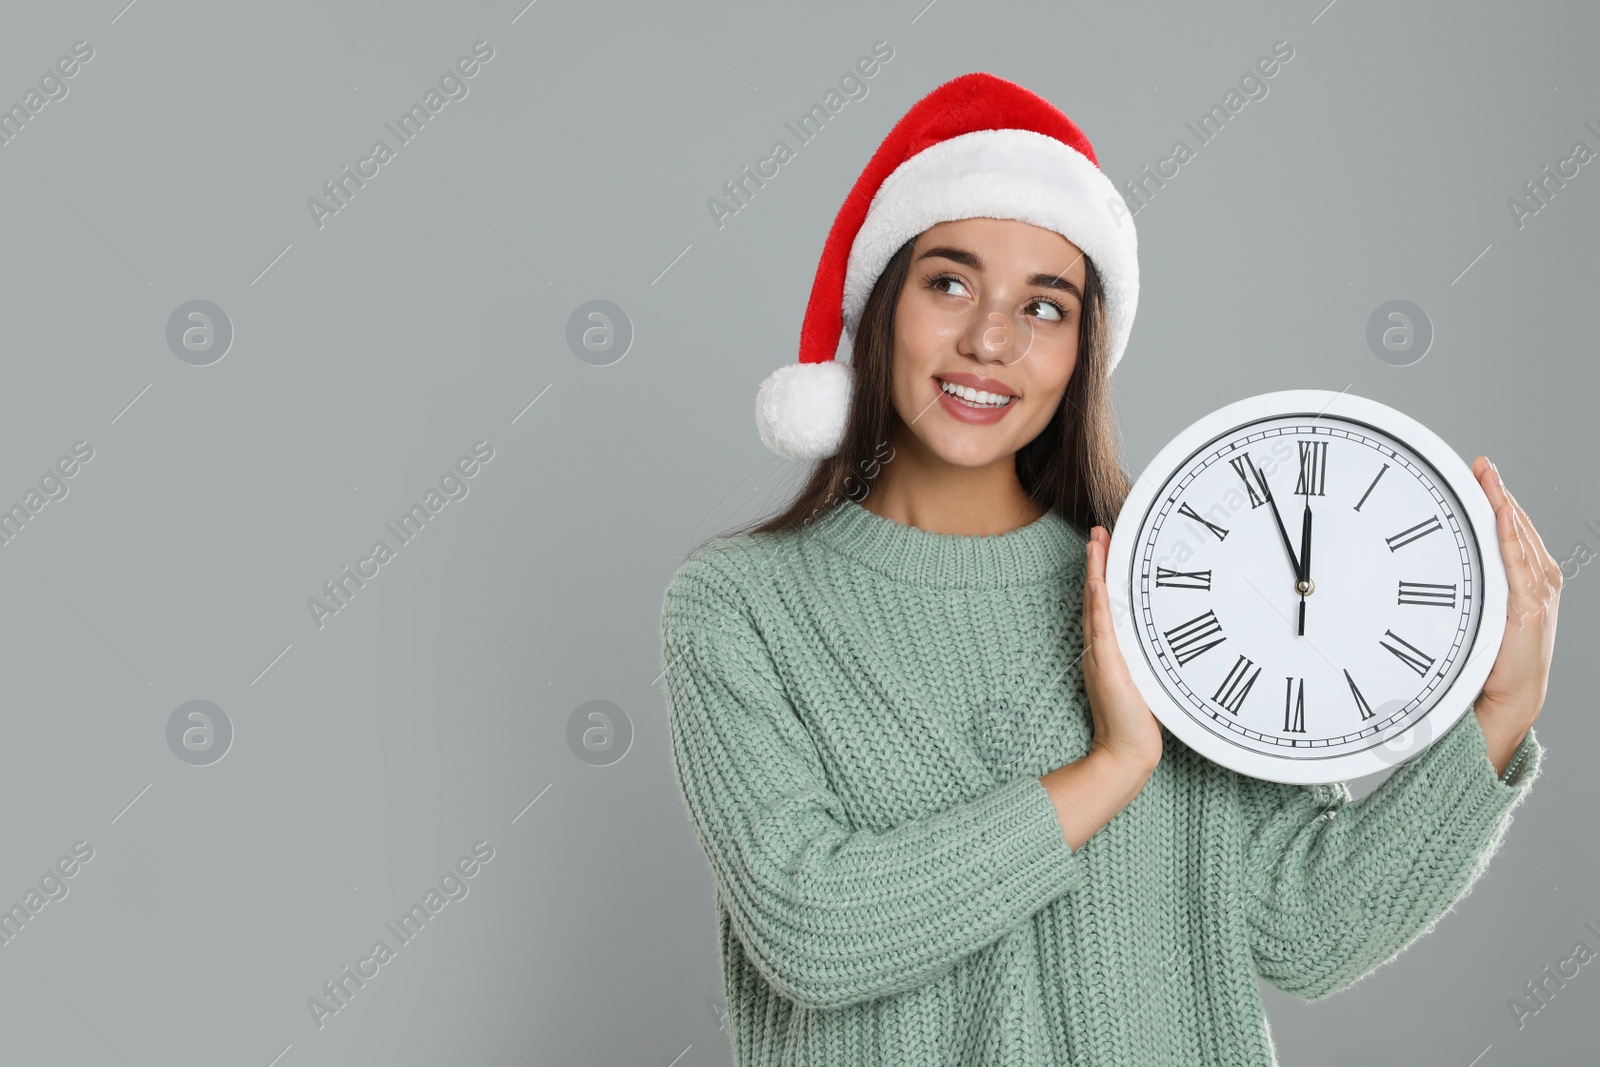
1124	725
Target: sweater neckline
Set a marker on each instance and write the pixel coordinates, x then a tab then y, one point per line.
1038	552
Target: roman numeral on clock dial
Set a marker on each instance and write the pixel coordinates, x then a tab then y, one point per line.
1361	702
1410	534
1236	686
1313	468
1371	487
1428	593
1410	654
1185	509
1183	579
1188	639
1294	705
1240	463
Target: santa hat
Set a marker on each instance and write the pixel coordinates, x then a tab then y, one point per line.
978	146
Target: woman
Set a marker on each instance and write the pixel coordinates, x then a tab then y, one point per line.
944	826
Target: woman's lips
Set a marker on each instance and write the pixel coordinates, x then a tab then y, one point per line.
969	414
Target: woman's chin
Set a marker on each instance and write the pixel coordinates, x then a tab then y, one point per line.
975	448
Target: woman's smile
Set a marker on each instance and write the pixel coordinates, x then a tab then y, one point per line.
978	406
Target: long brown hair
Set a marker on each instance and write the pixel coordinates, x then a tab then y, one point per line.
1071	467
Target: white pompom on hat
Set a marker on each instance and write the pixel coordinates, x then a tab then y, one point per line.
978	146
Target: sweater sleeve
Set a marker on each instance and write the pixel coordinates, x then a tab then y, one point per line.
1336	887
832	915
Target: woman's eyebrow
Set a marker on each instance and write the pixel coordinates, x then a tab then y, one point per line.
973	260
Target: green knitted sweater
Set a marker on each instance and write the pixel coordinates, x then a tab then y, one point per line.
859	713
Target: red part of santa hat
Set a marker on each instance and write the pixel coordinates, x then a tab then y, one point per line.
977	146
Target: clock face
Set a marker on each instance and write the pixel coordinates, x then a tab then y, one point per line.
1303	581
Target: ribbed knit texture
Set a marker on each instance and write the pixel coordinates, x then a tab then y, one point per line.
859	713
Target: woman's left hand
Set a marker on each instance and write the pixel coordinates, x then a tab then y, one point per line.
1514	692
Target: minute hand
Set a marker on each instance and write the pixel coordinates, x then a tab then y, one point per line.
1305	562
1261	479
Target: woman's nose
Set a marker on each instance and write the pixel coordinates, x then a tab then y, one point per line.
998	334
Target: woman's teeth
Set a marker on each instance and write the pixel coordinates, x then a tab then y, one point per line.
975	398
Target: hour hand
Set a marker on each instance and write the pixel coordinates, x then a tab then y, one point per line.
1305	544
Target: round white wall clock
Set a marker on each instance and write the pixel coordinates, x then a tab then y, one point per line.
1307	586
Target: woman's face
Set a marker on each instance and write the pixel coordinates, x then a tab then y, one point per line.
991	304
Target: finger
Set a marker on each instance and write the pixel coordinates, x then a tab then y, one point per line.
1541	555
1489	478
1097	557
1539	584
1511	542
1087	622
1529	553
1520	579
1495	486
1533	577
1511	547
1097	625
1523	585
1505	527
1107	657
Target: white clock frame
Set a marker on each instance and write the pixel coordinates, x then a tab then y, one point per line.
1399	744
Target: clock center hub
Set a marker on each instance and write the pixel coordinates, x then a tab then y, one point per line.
1307	587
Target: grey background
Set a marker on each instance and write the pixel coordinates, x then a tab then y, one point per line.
435	709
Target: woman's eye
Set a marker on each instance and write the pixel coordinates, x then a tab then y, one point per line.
1057	312
1049	310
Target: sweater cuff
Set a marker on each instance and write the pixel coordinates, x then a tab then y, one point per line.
1458	768
1524	764
1032	859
